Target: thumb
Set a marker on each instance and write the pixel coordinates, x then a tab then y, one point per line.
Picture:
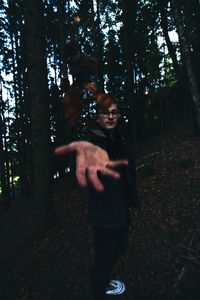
62	150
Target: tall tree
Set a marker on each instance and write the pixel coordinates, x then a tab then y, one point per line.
129	10
16	33
66	44
3	168
162	7
99	43
39	99
177	10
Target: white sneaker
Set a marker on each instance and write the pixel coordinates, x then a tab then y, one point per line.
115	287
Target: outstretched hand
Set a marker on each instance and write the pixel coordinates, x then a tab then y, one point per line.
91	158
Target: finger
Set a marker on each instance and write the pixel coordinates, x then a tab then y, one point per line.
117	163
110	173
81	176
92	87
93	178
64	149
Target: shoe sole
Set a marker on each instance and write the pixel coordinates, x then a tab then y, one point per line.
119	288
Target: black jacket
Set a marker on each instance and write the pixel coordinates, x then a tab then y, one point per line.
110	207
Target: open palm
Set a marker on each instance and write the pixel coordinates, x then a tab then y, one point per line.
91	158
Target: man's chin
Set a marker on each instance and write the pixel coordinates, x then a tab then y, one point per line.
110	126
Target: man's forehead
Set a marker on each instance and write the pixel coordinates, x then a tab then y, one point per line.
112	107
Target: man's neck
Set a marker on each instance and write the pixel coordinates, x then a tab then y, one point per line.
109	132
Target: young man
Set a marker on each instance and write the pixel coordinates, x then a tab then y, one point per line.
109	199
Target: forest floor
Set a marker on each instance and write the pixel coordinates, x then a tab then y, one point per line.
163	256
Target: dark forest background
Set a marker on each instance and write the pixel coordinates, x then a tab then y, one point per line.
156	84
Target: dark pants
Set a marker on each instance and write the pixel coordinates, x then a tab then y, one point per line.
109	245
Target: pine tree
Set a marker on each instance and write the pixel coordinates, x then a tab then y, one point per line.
40	129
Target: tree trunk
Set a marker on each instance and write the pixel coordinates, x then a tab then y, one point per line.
7	163
63	129
18	67
4	188
171	48
191	74
129	16
38	89
98	44
28	187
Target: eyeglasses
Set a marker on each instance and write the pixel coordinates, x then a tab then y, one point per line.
106	114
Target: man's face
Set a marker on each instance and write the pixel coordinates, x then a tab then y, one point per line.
108	119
